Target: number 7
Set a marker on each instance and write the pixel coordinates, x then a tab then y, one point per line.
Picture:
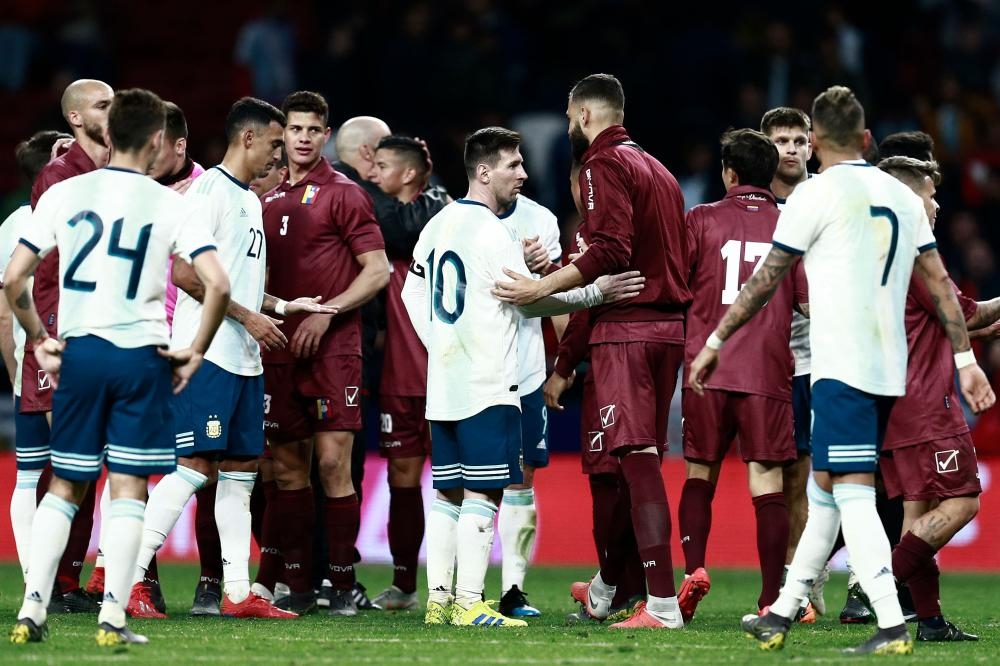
882	211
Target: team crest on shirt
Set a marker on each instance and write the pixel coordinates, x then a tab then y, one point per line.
607	416
213	427
946	461
309	194
351	394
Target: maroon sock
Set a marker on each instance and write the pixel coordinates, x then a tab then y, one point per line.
632	582
603	494
270	538
621	537
406	532
772	544
258	500
207	535
296	514
650	520
343	518
68	574
913	563
694	516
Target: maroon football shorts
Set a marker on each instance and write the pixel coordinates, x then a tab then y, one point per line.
312	395
36	387
940	469
633	385
762	426
595	455
404	432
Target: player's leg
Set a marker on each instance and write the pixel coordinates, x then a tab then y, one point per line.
206	532
442	521
271	562
31	447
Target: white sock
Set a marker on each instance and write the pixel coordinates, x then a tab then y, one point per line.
441	534
124	534
814	548
602	589
105	507
49	534
871	556
232	515
164	507
22	511
666	610
517	522
475	541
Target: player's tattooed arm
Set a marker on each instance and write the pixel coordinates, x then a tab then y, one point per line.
932	272
986	316
756	292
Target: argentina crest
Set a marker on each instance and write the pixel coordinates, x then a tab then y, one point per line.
213	427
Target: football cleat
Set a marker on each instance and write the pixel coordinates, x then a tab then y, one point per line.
342	603
95	586
140	603
643	619
323	594
481	614
770	629
300	603
514	603
806	614
207	598
856	609
596	607
895	640
815	594
255	606
393	598
26	631
693	589
156	594
437	613
111	636
74	601
946	633
360	595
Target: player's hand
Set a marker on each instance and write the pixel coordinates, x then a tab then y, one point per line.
306	304
621	286
701	369
536	257
522	289
306	339
583	249
264	330
181	186
554	387
990	332
976	388
49	357
185	363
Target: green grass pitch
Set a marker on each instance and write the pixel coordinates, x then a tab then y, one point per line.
401	638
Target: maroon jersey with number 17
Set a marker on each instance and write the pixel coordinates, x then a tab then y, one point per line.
727	241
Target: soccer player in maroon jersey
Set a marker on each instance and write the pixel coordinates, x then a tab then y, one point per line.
928	457
322	237
85	105
727	241
636	347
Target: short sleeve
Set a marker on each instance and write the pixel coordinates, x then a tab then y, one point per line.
550	238
925	235
40	233
798	224
355	217
192	234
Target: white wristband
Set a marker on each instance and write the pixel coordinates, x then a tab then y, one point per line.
963	359
279	307
714	342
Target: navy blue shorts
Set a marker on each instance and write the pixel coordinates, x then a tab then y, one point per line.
535	429
802	412
31	438
481	452
848	427
220	415
111	402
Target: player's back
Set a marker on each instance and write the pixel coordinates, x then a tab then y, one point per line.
115	230
728	241
472	337
860	229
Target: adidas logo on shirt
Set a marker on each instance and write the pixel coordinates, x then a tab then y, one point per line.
243	212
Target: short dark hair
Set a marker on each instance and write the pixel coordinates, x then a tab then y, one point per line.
751	154
33	154
484	145
135	115
784	116
409	149
307	101
176	127
251	111
918	145
840	116
911	170
600	88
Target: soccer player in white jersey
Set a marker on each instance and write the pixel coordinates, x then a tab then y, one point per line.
114	229
538	229
219	420
859	231
472	376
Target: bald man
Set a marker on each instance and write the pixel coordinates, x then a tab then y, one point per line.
85	106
